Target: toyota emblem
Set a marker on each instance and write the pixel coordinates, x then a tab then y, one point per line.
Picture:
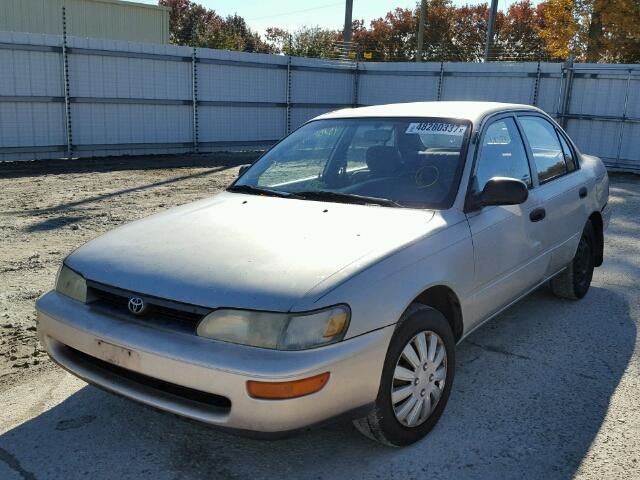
136	305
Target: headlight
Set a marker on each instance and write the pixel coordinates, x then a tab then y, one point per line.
71	284
281	331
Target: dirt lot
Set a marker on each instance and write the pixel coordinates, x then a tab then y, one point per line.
550	388
44	215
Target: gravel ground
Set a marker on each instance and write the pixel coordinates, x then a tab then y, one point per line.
45	214
547	389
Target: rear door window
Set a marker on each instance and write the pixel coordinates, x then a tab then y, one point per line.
548	155
569	156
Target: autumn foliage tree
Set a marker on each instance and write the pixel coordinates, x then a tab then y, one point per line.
396	33
558	27
588	30
620	31
194	25
451	33
592	30
519	34
470	27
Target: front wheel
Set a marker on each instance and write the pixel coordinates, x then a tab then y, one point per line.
416	379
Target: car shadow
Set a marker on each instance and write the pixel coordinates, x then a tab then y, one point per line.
531	392
55	223
69	206
63	212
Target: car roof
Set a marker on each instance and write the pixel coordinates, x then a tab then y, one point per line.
473	111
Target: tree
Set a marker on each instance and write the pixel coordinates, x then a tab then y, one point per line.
242	37
519	35
194	25
439	35
187	20
366	41
592	30
559	27
470	27
452	33
614	32
304	42
625	21
396	34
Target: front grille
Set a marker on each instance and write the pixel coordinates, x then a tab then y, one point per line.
159	312
184	393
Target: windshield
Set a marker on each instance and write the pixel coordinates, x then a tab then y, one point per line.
410	162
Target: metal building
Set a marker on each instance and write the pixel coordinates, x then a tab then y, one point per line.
111	19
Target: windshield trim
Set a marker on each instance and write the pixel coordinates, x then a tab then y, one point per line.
447	202
353	198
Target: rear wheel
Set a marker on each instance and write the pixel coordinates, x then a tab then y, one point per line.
416	379
573	283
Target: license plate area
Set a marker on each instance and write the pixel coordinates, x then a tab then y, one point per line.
117	355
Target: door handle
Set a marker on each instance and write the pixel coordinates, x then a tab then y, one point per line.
537	214
583	192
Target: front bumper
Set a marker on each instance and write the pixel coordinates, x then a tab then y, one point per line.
73	334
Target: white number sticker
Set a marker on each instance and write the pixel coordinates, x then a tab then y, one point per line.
436	128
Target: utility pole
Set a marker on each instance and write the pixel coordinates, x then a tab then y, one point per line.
348	23
422	20
490	27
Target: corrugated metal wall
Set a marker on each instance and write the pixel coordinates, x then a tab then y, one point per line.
37	16
88	18
136	98
31	86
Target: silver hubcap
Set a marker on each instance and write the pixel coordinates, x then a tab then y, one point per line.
419	378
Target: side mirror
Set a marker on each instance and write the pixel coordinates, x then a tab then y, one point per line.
243	169
502	191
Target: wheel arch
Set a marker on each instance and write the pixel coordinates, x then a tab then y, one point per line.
445	300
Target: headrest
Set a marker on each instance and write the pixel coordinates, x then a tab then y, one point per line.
410	143
378	135
382	160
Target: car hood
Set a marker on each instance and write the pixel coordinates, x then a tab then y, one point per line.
247	251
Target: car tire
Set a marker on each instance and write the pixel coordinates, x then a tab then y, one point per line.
420	327
574	281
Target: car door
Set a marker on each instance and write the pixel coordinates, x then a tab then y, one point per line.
507	242
561	188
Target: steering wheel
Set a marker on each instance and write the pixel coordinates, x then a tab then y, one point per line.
427	176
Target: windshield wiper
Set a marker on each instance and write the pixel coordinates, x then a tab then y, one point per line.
346	198
257	191
316	195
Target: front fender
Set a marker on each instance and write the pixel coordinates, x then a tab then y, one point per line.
379	294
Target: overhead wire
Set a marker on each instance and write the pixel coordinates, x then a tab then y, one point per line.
295	12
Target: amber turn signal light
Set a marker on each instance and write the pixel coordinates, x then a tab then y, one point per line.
283	390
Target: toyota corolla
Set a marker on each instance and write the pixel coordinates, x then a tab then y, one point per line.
335	276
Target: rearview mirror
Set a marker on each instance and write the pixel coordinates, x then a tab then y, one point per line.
502	191
243	168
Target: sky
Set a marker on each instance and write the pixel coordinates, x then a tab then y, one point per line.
291	14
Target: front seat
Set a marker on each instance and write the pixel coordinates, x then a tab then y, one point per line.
382	161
